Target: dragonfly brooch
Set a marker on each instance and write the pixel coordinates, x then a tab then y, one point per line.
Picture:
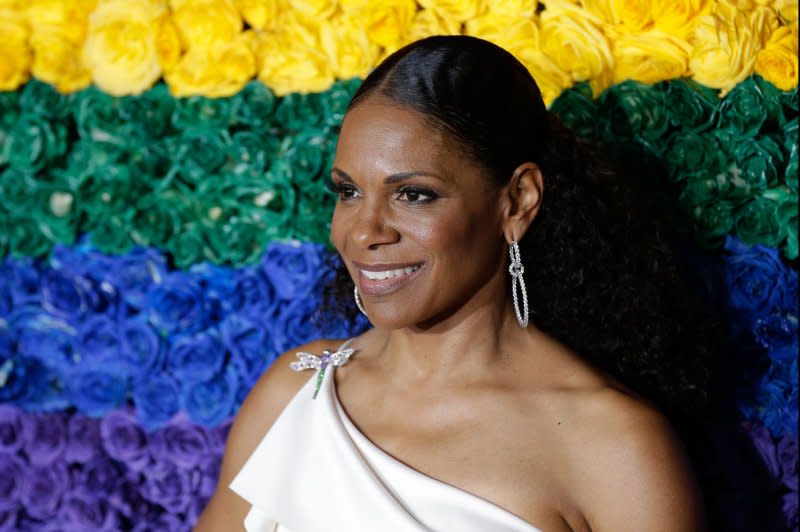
321	362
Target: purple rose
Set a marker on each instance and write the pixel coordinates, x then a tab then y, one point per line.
170	486
83	510
13	473
8	517
165	522
210	402
248	341
293	268
83	439
124	440
181	443
11	428
127	499
209	466
96	391
100	475
196	358
135	273
790	509
787	457
140	349
45	438
196	508
176	305
43	488
157	399
218	436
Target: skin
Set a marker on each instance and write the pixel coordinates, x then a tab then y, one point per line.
447	382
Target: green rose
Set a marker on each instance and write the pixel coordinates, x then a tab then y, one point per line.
689	153
298	111
577	110
108	191
9	113
156	217
111	233
753	103
690	105
760	160
254	106
199	112
56	215
787	213
18	191
757	222
314	212
250	153
42	99
335	100
199	153
306	153
87	158
632	110
35	142
98	118
149	163
149	113
25	238
790	155
712	222
789	104
187	246
235	239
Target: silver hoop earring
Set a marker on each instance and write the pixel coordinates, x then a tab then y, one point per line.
358	301
516	270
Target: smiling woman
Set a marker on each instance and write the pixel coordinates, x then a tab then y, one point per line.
530	351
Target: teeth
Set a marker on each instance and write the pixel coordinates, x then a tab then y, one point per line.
389	273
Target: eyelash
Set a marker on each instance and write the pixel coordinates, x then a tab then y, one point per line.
341	188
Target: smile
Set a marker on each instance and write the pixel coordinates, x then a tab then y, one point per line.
383	279
386	274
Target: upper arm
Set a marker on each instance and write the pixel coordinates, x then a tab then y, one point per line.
265	402
639	477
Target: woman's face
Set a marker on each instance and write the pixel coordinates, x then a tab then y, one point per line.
417	223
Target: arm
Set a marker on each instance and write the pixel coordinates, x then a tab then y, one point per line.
265	402
638	477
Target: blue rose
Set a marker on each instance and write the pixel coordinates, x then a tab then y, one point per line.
97	391
250	346
135	273
76	277
140	349
98	340
65	295
293	268
295	325
778	335
217	285
48	338
253	288
197	357
157	399
211	402
21	280
176	305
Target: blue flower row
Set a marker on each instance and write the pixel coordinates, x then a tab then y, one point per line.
96	332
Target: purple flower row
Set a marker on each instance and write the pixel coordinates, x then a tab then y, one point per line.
96	332
65	471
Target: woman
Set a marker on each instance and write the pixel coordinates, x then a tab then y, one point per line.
510	280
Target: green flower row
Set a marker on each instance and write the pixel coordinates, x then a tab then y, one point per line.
218	179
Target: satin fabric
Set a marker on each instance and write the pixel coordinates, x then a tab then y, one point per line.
315	471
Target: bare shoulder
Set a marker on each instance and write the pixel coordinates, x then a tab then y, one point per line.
263	405
634	471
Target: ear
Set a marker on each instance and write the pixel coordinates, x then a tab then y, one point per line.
522	197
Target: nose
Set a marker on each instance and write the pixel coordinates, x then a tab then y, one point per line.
371	226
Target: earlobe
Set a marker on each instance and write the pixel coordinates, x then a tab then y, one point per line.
523	197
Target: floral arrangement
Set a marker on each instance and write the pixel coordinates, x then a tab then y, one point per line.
215	47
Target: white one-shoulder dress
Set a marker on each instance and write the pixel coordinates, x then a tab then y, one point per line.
314	471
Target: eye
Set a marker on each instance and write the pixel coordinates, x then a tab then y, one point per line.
345	191
416	195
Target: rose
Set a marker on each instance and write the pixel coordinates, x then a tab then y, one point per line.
286	68
259	14
139	349
778	406
572	38
577	110
757	222
787	457
58	61
221	70
678	17
134	274
455	10
725	44
83	510
691	154
8	517
349	49
206	23
187	246
765	445
247	341
198	154
15	56
45	438
292	268
101	475
170	486
755	278
42	99
295	324
197	357
218	436
11	428
649	56
22	276
97	116
150	111
176	305
124	440
209	466
96	391
180	443
164	521
249	155
98	340
306	153
157	399
254	106
21	191
156	218
384	23
632	109
335	100
778	335
44	337
211	401
13	473
120	47
83	439
64	294
712	220
43	489
168	43
777	61
749	105
127	499
35	143
206	114
758	159
298	111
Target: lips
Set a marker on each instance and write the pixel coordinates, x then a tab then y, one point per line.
383	279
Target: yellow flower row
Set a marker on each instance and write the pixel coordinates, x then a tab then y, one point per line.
213	47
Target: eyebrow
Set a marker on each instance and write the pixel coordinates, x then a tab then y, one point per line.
390	179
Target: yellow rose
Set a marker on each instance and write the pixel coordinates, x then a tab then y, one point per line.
58	62
787	10
15	55
649	57
678	17
214	72
204	23
314	10
571	37
67	17
349	50
260	14
429	22
516	34
455	10
551	79
385	23
120	47
168	43
777	62
514	8
724	46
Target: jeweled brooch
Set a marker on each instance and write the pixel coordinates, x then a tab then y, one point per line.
321	363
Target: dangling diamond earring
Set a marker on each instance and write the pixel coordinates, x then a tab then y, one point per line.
516	270
361	305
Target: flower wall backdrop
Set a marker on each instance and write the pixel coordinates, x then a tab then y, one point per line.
163	218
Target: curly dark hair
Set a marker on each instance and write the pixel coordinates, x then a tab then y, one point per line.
603	275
